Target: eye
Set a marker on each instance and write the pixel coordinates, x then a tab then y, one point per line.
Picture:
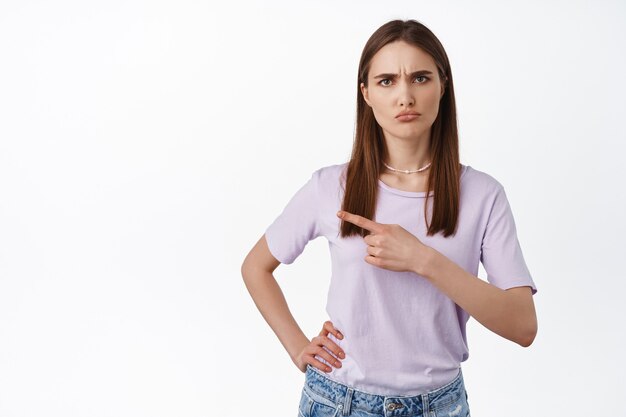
382	82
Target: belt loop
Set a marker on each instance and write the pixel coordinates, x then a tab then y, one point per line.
425	405
347	401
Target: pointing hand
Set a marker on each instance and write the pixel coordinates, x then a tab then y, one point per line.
390	246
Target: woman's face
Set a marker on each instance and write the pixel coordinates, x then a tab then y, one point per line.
403	77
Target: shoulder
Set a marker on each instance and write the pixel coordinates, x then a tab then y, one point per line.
330	174
329	182
476	181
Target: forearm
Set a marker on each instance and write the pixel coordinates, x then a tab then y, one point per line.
491	306
271	302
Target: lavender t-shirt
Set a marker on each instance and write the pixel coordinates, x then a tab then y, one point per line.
402	335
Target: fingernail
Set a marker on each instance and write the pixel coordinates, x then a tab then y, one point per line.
341	354
339	213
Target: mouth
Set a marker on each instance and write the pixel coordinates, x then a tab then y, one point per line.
407	117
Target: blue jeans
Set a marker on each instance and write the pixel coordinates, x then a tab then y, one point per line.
323	397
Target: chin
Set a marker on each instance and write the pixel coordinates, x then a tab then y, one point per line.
407	132
410	134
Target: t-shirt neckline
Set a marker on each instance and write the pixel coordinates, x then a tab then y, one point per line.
416	194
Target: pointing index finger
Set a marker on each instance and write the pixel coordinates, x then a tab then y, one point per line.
360	221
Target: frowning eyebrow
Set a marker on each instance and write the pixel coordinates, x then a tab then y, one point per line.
393	76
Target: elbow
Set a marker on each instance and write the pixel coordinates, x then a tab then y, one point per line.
249	266
526	342
528	337
243	270
246	269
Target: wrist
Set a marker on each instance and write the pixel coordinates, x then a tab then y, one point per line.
426	259
295	352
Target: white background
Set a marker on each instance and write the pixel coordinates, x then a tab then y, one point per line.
145	147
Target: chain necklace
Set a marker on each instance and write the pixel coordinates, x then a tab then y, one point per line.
407	171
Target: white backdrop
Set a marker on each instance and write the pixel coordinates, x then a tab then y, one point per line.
145	147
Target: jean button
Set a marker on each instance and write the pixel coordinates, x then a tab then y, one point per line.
393	406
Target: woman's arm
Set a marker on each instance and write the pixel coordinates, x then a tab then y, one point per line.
257	271
509	313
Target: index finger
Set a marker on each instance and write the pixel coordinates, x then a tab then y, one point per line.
361	221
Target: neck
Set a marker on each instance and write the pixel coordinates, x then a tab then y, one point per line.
404	154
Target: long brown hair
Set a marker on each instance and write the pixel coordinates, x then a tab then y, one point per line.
369	149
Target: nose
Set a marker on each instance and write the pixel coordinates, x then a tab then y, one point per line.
405	98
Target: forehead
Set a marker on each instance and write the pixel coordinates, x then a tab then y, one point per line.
401	57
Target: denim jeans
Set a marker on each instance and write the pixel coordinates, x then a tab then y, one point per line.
323	397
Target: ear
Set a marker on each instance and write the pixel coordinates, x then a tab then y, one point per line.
365	94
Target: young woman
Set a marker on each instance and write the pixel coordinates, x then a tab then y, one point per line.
407	225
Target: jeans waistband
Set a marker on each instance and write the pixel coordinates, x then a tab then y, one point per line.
322	388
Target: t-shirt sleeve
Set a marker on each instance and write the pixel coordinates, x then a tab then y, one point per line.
298	223
501	254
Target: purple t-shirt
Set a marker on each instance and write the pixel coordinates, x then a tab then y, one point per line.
402	335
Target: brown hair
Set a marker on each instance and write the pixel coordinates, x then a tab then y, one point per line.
369	149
